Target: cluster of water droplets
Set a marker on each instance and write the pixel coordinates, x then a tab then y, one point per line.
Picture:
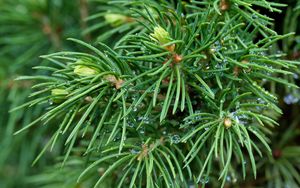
135	151
191	120
142	130
217	46
204	179
134	123
117	138
231	178
221	65
131	124
241	119
256	17
145	120
175	139
291	99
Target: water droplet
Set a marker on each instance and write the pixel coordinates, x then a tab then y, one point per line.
231	179
134	151
204	179
142	131
254	16
188	122
218	46
290	99
212	50
219	65
197	118
144	119
261	101
50	101
228	178
240	119
116	139
296	76
130	124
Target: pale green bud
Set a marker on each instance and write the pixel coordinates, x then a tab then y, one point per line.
115	19
59	92
83	70
58	95
161	35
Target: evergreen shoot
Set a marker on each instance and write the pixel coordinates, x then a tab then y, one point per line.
175	94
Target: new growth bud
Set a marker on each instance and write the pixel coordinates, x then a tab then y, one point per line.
59	92
227	122
161	35
83	70
224	5
58	95
115	19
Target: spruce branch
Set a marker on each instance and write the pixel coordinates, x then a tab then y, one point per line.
182	94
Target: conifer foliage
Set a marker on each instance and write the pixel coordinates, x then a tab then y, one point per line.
171	94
